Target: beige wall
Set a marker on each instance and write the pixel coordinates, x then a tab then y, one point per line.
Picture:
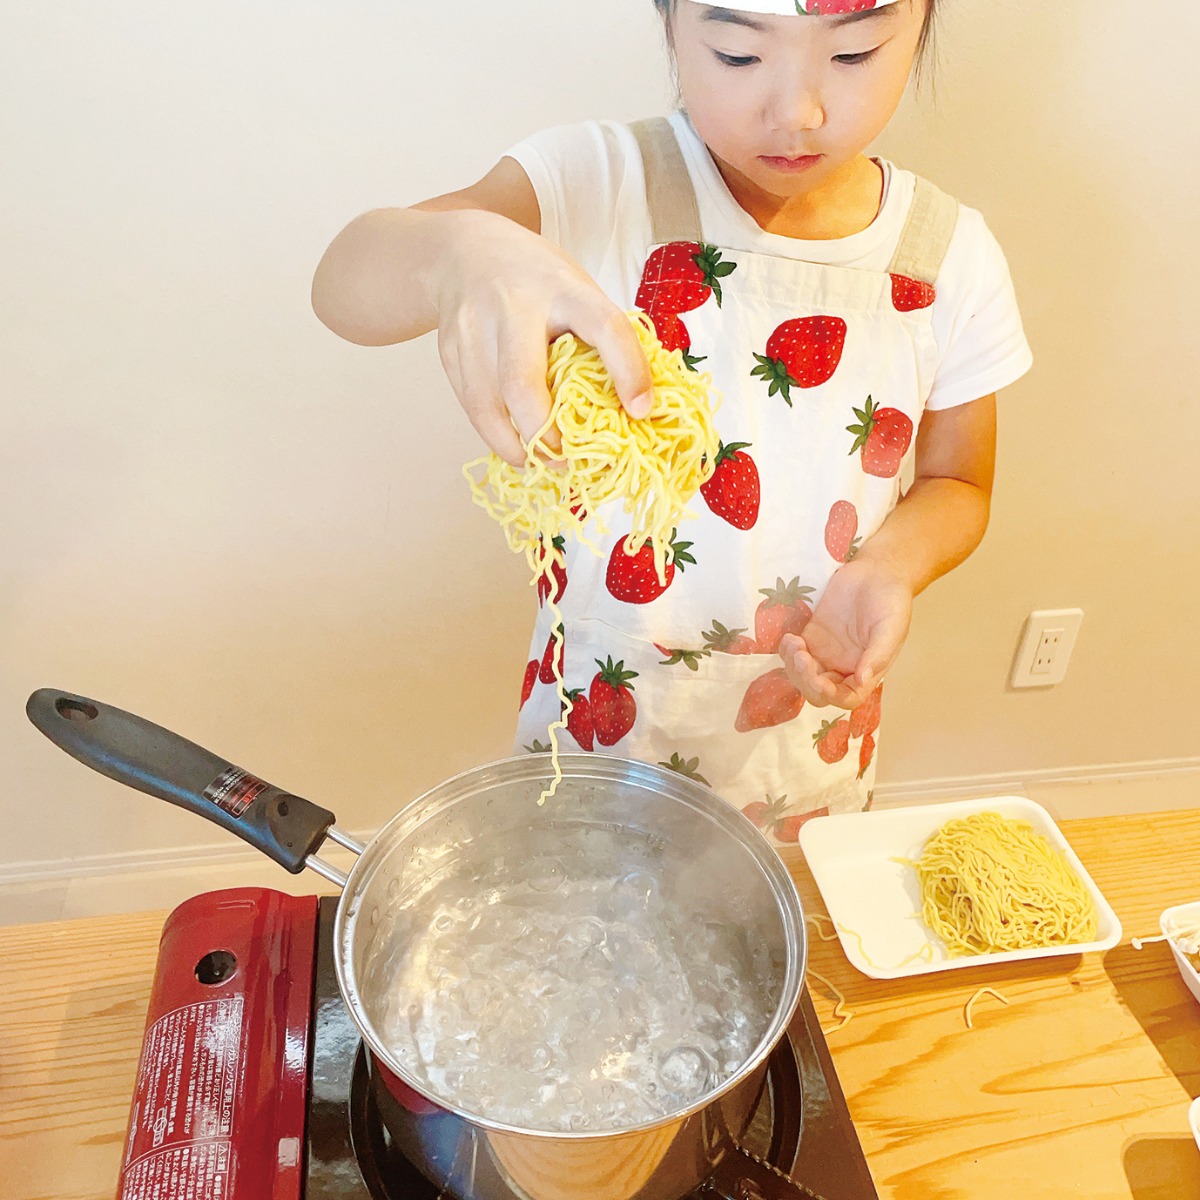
216	514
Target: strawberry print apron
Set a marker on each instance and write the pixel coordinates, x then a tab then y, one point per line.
823	373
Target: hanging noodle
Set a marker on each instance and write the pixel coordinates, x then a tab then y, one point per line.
844	1015
991	884
654	466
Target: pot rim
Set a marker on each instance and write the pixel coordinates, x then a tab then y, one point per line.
529	767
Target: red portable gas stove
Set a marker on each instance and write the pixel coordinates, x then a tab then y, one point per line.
253	1083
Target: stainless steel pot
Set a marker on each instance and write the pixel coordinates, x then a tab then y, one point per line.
675	830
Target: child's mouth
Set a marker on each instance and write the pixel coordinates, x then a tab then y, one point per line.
804	163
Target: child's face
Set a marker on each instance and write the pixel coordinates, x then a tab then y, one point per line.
764	89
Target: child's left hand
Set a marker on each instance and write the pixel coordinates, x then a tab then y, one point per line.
853	638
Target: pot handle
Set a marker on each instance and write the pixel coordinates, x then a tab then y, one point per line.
153	760
741	1176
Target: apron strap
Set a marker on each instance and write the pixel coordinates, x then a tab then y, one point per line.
927	232
674	214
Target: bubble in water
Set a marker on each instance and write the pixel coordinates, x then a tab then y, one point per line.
532	1056
548	878
475	996
581	935
636	890
684	1070
586	1001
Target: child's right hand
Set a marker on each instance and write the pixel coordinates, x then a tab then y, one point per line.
505	294
473	265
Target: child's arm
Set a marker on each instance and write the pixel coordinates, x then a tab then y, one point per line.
862	619
472	265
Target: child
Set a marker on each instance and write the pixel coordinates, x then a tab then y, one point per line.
856	323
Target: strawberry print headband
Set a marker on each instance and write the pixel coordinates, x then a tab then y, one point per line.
805	8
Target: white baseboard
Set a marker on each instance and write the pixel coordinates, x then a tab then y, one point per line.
896	794
887	795
95	866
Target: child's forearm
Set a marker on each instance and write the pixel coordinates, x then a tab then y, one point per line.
935	527
381	279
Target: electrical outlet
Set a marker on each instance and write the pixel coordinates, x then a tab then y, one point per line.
1045	648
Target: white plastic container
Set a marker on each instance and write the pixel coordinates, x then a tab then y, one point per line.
1181	918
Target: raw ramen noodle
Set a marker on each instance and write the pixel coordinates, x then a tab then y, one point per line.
991	884
653	466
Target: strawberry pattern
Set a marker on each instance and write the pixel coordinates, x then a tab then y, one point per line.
684	671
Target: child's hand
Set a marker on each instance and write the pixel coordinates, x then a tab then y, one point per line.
505	296
853	638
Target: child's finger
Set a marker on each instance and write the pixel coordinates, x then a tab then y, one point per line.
806	674
611	332
490	420
524	391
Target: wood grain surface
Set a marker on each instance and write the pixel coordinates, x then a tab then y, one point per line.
1079	1087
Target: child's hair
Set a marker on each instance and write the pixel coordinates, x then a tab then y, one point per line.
924	46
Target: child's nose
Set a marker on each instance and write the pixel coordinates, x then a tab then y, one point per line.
800	108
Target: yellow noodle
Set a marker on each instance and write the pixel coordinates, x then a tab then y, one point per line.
983	991
991	884
654	466
839	1008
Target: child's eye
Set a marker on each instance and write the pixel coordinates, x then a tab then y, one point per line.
735	60
850	60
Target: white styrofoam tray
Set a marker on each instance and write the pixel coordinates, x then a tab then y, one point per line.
869	894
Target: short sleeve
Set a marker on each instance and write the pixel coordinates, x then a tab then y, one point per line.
976	320
591	190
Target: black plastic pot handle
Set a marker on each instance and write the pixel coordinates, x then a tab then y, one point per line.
153	760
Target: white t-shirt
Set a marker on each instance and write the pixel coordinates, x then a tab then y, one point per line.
590	187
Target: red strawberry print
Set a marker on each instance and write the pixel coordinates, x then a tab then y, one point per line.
579	720
840	529
883	435
556	580
681	276
689	767
550	660
785	610
733	491
614	709
759	811
678	278
865	718
803	353
865	753
826	8
832	740
769	700
633	578
720	640
788	830
531	675
909	294
772	816
674	335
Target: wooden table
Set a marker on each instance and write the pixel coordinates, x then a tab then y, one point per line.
1078	1088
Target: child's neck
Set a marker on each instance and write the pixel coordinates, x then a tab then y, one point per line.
844	204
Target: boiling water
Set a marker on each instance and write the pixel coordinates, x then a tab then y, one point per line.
589	994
